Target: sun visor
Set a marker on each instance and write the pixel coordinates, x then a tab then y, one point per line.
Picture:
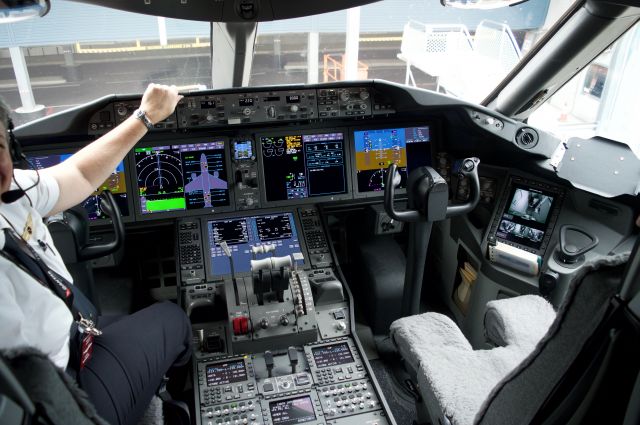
229	10
600	166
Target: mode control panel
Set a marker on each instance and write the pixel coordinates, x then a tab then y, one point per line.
334	361
225	380
190	252
201	111
344	102
245	171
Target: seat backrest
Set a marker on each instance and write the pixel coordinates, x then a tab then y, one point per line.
41	391
522	393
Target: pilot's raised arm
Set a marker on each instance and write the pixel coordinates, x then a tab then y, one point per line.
119	362
79	176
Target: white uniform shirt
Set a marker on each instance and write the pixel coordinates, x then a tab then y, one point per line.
31	314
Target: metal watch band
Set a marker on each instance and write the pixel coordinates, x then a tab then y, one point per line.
142	116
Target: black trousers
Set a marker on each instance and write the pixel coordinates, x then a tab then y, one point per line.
131	357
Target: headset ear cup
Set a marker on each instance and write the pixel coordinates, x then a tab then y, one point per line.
15	150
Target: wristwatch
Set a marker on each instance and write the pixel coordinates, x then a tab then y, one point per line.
142	116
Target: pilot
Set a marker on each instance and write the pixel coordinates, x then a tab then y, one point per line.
132	354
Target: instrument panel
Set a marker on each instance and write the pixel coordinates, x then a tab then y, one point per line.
214	172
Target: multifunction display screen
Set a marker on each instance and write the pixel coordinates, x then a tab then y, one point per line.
116	183
332	355
526	216
226	373
241	234
300	166
292	411
408	147
182	177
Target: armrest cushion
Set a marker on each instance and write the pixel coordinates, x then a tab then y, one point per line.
522	320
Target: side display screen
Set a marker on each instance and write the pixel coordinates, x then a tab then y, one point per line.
292	411
332	355
242	233
525	217
116	183
407	147
300	166
226	373
182	177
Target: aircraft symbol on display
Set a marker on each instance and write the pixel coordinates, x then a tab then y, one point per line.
205	182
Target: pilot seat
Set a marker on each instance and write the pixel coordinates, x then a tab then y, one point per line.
535	351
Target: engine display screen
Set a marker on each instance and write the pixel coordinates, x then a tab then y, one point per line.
300	166
292	411
408	147
182	177
226	373
243	233
526	215
116	183
332	355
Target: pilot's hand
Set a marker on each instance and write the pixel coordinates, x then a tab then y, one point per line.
159	101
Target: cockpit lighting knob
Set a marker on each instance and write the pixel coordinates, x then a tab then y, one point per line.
294	108
284	320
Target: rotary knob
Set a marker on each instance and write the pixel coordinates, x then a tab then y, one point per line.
284	320
345	96
364	95
294	108
246	112
264	323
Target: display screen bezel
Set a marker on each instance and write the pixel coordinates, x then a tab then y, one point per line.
181	213
204	234
518	182
206	372
72	149
285	400
434	133
314	350
310	200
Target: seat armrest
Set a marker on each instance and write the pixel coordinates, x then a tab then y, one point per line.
521	320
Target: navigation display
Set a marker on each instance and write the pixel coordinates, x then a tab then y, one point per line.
300	166
526	215
226	373
332	355
243	233
376	149
116	183
182	177
292	411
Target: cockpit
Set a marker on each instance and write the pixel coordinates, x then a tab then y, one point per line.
371	212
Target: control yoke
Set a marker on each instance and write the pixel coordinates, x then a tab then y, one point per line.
429	193
428	199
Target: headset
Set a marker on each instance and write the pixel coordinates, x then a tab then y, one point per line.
18	158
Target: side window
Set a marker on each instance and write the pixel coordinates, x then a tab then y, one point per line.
602	100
